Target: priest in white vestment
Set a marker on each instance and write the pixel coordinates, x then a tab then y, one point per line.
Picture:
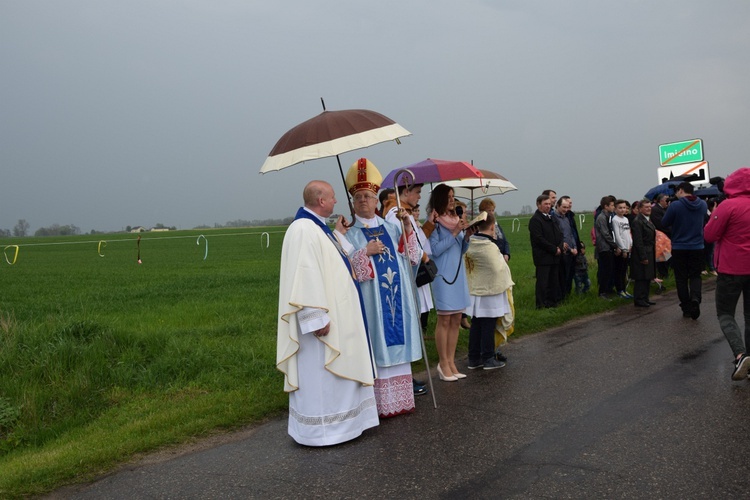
383	269
322	344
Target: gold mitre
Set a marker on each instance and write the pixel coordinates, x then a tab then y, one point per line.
363	175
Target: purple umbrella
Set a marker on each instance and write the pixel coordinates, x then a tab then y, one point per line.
431	171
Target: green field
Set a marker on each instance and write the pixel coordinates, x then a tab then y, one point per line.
102	358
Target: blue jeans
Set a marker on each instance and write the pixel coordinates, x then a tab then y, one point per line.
728	290
583	283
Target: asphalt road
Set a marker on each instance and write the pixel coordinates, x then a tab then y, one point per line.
634	403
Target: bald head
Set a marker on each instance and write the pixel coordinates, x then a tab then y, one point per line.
318	196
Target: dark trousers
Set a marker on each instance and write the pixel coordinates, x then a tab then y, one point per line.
662	269
687	265
708	252
482	339
641	290
547	286
605	272
620	271
728	290
566	271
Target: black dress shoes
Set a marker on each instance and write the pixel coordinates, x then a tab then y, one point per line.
642	304
651	302
419	388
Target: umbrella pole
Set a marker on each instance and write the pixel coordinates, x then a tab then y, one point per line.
346	193
415	297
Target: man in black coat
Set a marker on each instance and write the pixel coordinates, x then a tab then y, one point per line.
643	259
546	249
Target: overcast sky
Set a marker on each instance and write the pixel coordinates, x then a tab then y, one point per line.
116	113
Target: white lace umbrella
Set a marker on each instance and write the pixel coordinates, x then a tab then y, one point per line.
489	184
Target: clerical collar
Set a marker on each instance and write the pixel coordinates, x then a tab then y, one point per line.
369	222
321	219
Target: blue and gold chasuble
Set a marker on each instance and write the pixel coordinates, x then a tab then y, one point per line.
392	315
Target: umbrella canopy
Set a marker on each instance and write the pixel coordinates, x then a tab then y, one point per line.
330	134
666	188
669	187
490	184
432	170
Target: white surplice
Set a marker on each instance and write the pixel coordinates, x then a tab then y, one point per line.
329	379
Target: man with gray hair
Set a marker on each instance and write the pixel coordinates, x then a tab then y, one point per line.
570	245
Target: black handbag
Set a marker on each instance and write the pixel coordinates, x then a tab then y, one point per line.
426	272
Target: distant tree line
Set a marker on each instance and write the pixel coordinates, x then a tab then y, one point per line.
249	223
21	229
58	230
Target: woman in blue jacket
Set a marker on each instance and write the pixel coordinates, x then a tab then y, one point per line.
449	242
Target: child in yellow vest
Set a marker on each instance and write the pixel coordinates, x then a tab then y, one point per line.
489	281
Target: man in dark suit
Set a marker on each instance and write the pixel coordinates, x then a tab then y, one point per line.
643	259
546	249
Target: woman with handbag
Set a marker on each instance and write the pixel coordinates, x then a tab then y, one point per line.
449	241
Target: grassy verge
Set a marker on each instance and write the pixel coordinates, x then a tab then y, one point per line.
102	358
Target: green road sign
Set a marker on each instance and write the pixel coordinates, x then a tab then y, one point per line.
677	153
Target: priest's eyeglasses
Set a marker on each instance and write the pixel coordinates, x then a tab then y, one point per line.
364	197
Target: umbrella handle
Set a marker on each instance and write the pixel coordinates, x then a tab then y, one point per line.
346	192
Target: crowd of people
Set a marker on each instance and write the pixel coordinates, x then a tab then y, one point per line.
636	242
351	314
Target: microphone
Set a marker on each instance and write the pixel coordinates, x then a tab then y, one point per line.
459	211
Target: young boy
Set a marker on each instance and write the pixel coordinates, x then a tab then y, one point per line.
624	240
489	280
606	248
581	276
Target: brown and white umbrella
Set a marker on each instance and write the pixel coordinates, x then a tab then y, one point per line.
330	134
